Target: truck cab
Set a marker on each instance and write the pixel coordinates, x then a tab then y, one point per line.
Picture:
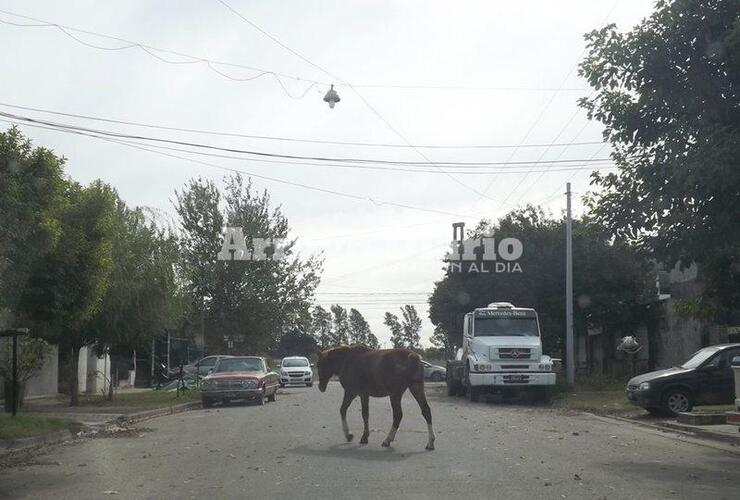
502	350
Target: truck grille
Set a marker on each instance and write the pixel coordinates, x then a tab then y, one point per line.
297	374
514	353
514	367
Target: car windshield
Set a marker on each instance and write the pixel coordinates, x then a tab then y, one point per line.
506	327
288	363
239	365
699	357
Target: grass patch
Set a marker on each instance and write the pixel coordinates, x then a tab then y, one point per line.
594	394
22	426
145	400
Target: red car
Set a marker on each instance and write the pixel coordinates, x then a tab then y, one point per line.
240	377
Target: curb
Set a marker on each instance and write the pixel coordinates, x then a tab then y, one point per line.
8	446
730	444
157	412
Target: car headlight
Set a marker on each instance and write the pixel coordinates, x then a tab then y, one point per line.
644	386
545	367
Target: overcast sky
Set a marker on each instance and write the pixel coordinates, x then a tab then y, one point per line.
521	52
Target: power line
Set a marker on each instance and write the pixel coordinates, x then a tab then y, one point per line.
150	50
212	64
265	154
362	98
268	178
290	139
546	106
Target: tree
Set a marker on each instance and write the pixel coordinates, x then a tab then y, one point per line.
321	321
66	290
440	339
610	279
359	330
411	326
340	332
296	343
668	94
32	190
143	297
255	302
391	321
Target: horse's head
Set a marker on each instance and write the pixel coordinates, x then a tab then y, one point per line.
327	367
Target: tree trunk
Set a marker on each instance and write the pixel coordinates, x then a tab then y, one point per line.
74	388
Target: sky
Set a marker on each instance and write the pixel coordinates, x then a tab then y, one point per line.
485	73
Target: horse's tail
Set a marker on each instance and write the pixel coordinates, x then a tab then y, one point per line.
415	369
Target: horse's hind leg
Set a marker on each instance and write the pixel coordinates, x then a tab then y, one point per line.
348	398
365	400
418	392
397	415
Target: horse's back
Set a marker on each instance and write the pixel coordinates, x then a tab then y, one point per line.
382	372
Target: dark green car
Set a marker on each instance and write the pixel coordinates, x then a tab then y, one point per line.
705	379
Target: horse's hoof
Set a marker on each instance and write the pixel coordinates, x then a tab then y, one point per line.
350	437
363	440
430	447
386	444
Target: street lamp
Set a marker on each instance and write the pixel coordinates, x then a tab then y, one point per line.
331	97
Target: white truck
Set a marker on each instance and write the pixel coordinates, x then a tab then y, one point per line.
501	352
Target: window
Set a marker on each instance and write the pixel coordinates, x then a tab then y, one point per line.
240	365
506	327
290	363
208	361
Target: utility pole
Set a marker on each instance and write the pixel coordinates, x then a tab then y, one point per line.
569	347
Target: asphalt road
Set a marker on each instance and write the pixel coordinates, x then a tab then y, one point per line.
294	448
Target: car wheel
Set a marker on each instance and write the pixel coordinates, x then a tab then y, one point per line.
436	377
272	396
206	402
677	401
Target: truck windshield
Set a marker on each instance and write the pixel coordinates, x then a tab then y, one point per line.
506	327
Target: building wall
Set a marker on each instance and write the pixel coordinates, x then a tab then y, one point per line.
46	381
94	376
680	336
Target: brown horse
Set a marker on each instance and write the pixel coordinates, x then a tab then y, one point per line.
369	372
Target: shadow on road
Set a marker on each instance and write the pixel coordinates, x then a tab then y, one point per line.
357	452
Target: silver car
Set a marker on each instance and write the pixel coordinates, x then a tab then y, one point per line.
433	372
204	365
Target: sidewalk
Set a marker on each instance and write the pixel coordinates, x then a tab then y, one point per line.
724	434
97	415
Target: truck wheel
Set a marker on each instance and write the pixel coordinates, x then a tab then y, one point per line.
451	389
474	393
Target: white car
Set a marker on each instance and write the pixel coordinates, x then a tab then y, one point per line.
296	370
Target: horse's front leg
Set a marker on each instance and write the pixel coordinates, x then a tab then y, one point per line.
397	414
365	400
348	398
